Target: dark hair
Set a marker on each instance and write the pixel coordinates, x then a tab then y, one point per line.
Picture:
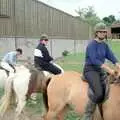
96	36
43	39
19	50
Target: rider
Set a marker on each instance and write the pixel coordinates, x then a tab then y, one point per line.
9	60
96	53
42	59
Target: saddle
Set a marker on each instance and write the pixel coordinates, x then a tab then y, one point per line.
107	88
37	79
7	72
46	73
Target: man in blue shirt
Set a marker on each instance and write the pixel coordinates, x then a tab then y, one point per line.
96	53
9	60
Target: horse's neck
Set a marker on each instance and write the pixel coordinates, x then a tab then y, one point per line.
3	77
21	68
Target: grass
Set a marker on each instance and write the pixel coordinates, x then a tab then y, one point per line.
36	108
76	61
73	62
115	46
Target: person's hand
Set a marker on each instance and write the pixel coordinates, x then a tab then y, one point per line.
117	66
108	69
111	72
51	61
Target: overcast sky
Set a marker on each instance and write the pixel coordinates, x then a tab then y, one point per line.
102	7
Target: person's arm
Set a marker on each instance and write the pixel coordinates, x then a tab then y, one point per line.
12	59
117	65
107	69
42	53
38	53
110	56
47	56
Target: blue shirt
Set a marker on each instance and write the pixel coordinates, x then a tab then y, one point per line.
10	58
97	52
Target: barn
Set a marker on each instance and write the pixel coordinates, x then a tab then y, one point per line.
23	21
115	31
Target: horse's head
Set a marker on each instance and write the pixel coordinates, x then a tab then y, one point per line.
115	78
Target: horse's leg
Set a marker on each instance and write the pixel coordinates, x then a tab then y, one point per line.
20	106
60	115
50	115
54	111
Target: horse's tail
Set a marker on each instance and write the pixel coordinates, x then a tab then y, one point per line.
6	99
45	96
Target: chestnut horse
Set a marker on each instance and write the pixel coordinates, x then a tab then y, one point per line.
69	88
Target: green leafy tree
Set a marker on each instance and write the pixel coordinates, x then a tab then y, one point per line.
116	22
109	20
88	15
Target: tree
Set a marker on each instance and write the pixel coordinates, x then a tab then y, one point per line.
88	15
109	20
116	22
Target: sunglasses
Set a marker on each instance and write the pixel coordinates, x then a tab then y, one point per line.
102	31
45	39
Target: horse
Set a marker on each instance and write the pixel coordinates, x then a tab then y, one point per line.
4	74
3	77
20	87
70	89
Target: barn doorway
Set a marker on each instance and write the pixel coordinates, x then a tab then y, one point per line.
115	32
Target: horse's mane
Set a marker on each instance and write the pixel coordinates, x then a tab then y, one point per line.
114	79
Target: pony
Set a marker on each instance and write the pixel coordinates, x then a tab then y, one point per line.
4	74
70	89
3	77
20	87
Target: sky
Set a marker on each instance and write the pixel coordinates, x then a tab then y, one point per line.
103	8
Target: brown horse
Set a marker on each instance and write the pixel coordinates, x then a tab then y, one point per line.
21	86
69	88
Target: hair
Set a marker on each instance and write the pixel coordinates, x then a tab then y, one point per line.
19	50
43	39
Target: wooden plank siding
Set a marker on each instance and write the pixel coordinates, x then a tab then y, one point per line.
5	10
6	18
31	18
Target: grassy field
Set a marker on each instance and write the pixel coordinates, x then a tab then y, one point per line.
73	62
76	61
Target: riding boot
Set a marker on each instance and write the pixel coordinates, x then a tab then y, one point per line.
89	110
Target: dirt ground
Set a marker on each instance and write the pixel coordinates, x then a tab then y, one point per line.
27	115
